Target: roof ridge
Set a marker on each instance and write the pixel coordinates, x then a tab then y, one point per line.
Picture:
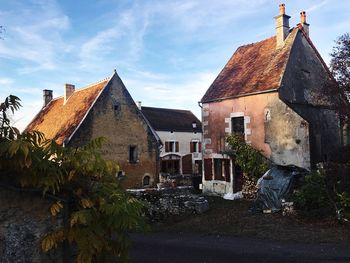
165	108
85	87
93	84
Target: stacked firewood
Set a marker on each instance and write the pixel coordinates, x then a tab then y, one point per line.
249	187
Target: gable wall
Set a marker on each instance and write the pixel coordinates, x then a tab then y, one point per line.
307	88
122	127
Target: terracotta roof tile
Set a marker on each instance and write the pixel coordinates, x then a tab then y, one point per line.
58	120
256	67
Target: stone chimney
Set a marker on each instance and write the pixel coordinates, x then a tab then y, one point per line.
282	26
138	104
303	22
68	91
47	96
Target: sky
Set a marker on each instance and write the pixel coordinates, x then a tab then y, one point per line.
166	52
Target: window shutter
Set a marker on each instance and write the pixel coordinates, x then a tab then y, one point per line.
166	146
191	147
177	146
227	170
208	173
199	147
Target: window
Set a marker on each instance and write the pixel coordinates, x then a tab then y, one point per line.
195	147
120	174
218	170
171	146
132	153
222	170
146	180
208	174
237	125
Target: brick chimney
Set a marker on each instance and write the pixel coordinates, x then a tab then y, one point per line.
68	91
282	26
47	96
303	22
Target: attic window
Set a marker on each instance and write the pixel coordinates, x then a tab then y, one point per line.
116	107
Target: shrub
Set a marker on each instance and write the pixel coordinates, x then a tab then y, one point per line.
101	212
325	192
247	157
312	199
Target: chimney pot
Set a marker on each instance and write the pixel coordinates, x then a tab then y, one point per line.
303	22
138	104
47	96
68	91
302	17
282	26
282	9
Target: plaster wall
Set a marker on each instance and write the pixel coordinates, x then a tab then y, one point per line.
270	126
184	139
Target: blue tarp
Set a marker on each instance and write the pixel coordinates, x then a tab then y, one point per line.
275	185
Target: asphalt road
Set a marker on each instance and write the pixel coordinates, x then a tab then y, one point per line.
169	248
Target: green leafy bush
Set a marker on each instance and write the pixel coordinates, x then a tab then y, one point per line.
101	212
312	198
325	193
247	157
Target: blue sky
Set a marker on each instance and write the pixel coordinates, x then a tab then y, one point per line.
166	52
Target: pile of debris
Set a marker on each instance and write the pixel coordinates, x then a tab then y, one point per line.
163	203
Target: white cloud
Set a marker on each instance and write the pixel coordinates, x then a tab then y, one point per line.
33	36
317	6
182	92
6	81
120	44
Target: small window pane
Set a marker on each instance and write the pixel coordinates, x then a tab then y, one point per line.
237	125
132	154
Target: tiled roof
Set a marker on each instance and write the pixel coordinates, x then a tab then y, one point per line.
253	68
58	121
171	120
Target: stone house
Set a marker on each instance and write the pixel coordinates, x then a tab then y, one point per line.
181	134
103	109
280	96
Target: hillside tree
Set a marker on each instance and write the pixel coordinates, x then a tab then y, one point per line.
340	62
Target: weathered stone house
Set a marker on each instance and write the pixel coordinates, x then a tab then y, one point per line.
279	94
103	109
181	134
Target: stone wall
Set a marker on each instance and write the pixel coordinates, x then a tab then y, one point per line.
24	220
164	203
309	90
116	117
